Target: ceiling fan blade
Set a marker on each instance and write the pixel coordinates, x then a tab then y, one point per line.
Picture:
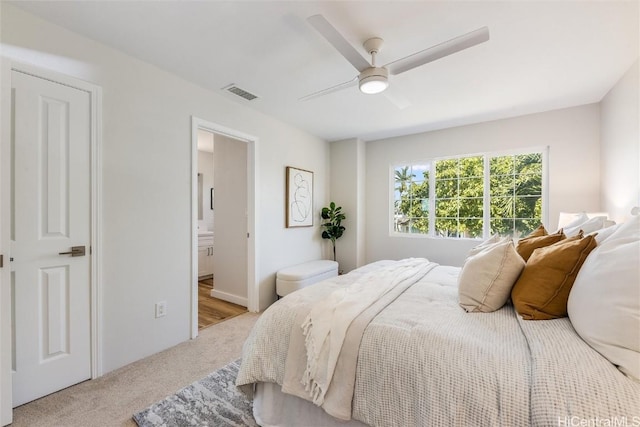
439	51
331	89
397	97
337	41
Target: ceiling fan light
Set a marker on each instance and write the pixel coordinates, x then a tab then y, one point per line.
373	84
373	80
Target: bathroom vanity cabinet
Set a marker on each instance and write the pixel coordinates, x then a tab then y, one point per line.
205	254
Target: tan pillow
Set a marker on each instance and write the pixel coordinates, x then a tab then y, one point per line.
487	277
543	288
538	232
489	242
527	245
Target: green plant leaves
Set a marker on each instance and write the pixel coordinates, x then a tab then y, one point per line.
333	216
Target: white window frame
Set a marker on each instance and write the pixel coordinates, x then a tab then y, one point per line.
486	225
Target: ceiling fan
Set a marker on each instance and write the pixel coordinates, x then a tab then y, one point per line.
373	79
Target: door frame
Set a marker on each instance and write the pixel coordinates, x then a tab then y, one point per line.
95	259
252	144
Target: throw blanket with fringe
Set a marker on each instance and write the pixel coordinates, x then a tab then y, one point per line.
326	325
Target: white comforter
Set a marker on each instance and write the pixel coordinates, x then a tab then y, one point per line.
425	361
326	326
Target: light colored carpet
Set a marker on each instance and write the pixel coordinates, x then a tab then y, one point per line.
112	399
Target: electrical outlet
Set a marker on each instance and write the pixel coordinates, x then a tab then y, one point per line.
161	309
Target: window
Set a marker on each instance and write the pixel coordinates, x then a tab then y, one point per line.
470	196
516	193
459	197
411	199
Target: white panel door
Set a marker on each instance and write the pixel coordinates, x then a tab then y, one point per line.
50	215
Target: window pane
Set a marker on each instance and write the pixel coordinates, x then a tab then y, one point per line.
402	177
525	226
526	206
446	188
503	227
411	198
528	163
516	199
446	227
447	208
501	165
528	185
419	208
401	223
447	169
419	225
472	166
419	190
471	227
459	197
471	208
471	187
502	207
404	205
501	185
420	173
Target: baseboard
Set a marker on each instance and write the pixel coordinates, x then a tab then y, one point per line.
229	297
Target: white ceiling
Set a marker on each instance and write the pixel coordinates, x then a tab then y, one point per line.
542	55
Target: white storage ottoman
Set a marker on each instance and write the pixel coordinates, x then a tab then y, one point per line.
293	278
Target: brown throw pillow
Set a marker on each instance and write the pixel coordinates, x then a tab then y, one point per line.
527	245
538	232
543	288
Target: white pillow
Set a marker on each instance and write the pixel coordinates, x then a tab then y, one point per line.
604	303
487	277
587	226
604	233
577	219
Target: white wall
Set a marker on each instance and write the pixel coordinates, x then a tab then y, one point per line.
572	135
230	231
620	146
205	167
347	190
147	206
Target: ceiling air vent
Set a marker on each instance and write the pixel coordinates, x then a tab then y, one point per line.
240	92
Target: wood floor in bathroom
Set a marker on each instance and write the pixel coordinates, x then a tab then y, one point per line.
213	310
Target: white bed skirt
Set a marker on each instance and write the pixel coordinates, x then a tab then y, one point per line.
272	407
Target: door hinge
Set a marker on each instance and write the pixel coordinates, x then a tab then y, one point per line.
1	261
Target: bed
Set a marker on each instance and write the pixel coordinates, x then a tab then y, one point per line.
415	357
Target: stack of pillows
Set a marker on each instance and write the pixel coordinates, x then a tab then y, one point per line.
588	270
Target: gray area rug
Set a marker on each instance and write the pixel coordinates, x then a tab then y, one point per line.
212	401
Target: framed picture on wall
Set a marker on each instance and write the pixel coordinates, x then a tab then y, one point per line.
299	197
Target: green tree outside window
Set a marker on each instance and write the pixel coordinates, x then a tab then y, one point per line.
514	188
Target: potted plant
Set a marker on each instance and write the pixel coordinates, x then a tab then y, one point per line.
333	217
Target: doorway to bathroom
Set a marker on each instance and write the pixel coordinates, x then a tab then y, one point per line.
228	160
223	224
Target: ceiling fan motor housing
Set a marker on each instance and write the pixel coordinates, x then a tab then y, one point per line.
373	80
